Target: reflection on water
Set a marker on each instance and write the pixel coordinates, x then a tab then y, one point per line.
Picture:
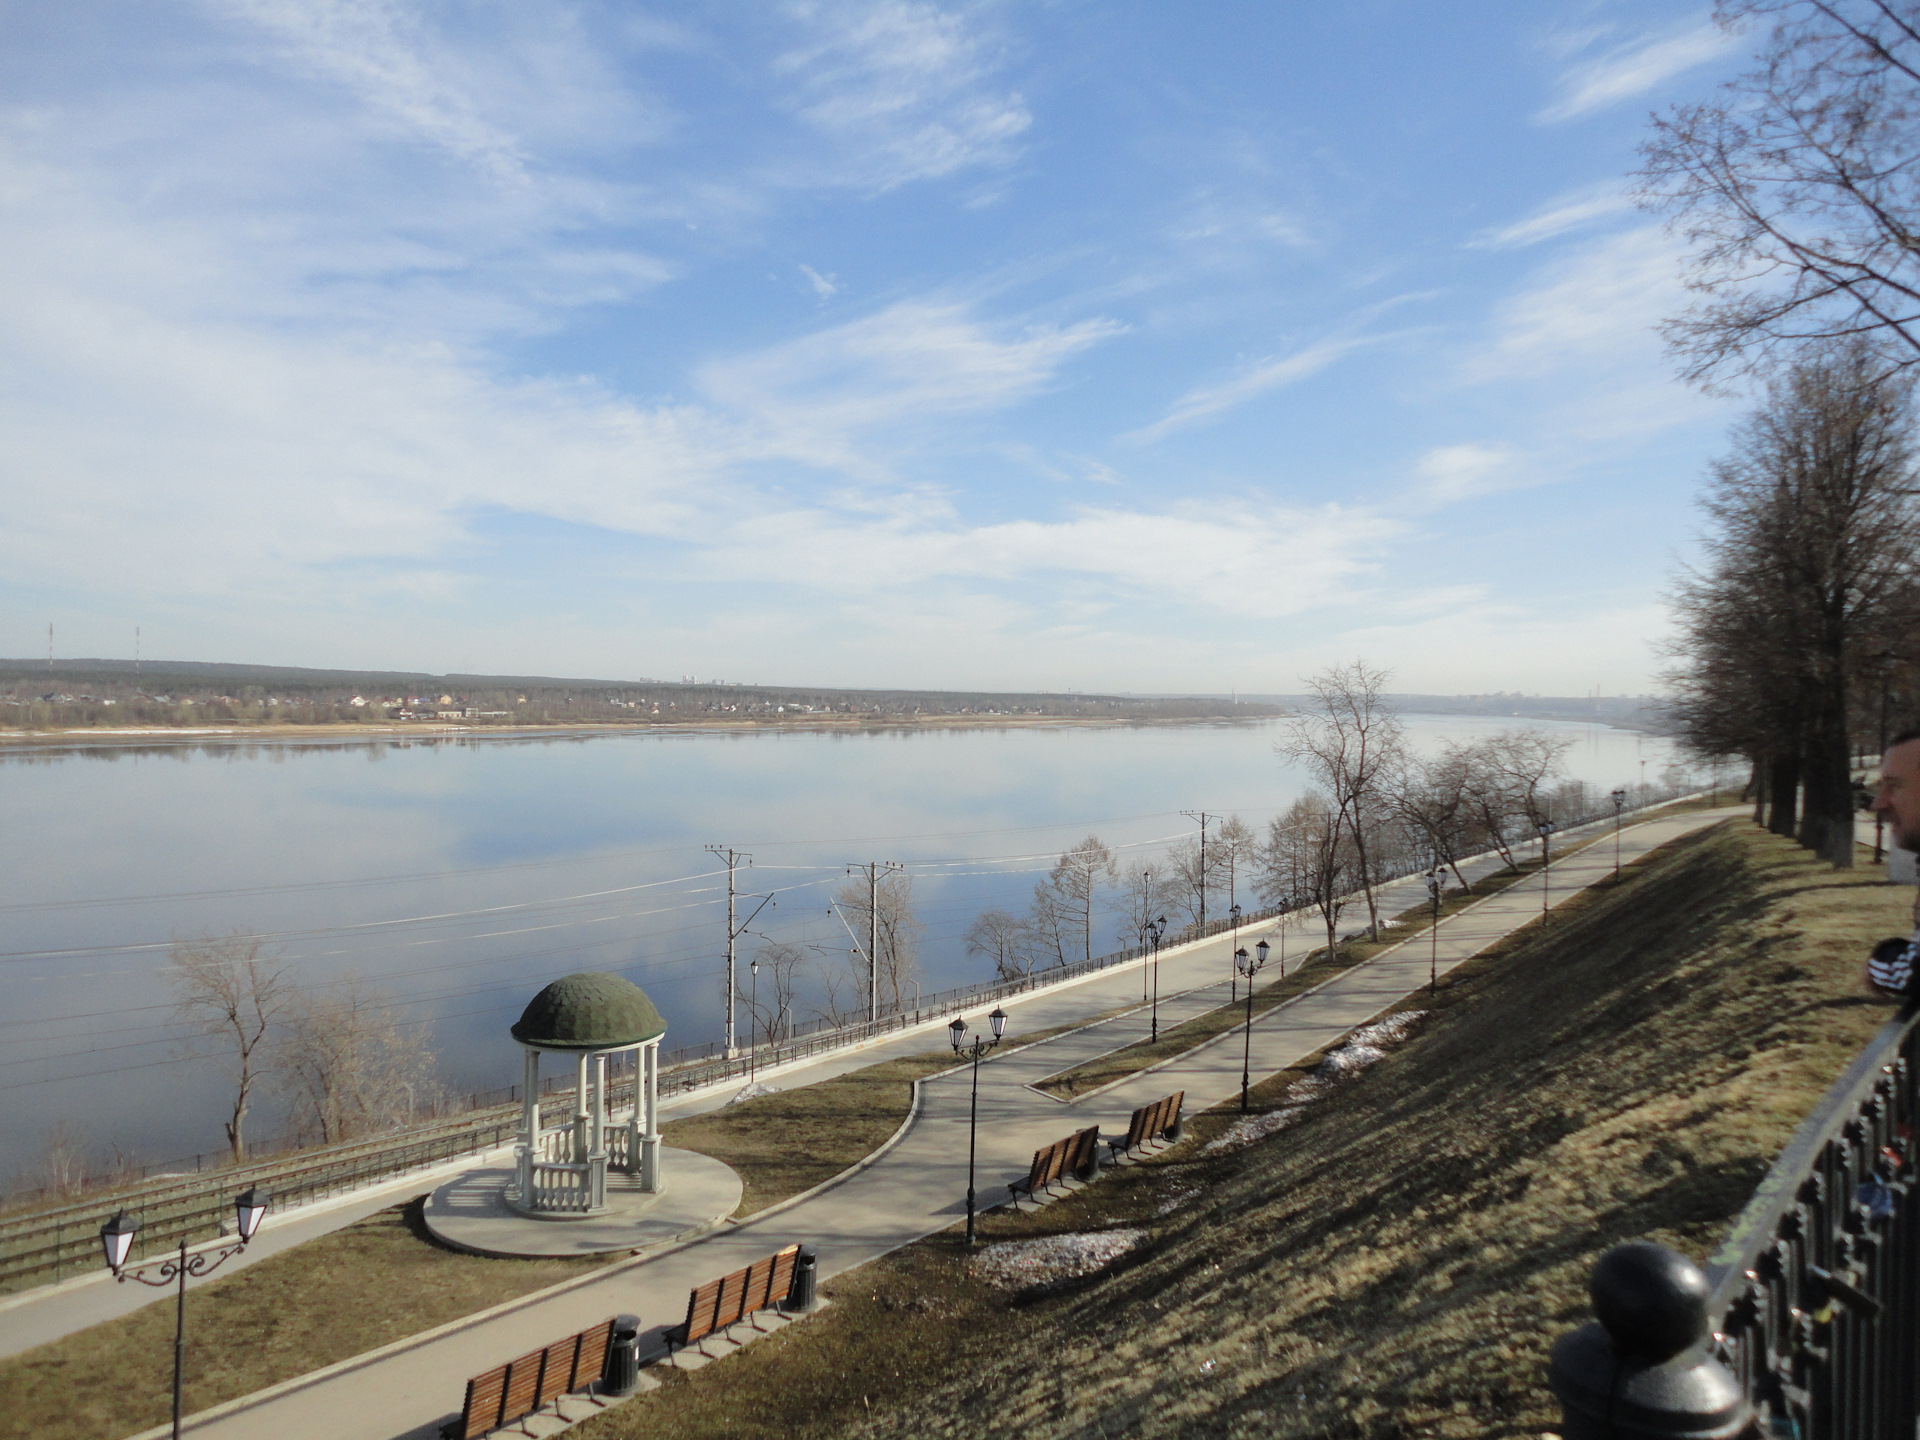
461	873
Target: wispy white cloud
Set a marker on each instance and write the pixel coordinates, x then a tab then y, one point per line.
1203	404
823	285
1635	67
913	361
1557	217
1597	306
1240	560
906	88
375	50
1451	473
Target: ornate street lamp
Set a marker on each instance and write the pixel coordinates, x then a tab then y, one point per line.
1619	798
753	1011
1154	932
1233	974
1546	861
957	1032
116	1241
1249	968
1433	931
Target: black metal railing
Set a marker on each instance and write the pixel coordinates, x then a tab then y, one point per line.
1816	1289
1806	1321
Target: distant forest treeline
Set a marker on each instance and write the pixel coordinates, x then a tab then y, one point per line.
99	694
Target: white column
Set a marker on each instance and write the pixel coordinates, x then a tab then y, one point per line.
580	1111
597	1156
525	1152
649	1081
636	1122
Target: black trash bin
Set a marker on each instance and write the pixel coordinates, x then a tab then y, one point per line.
806	1279
622	1373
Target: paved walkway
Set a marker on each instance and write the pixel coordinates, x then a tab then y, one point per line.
917	1187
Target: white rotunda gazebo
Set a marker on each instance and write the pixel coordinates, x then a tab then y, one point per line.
561	1173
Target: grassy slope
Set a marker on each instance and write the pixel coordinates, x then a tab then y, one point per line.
1397	1262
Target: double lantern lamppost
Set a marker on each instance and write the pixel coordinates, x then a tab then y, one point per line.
980	1045
116	1240
1619	798
1546	861
753	1018
1248	967
1154	932
1233	975
1433	930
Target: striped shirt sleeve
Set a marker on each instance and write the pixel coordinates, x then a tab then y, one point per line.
1891	966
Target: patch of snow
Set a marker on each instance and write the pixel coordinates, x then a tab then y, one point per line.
1021	1264
1257	1127
754	1092
1366	1045
1362	1048
1174	1200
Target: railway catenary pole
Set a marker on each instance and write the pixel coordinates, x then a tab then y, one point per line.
1202	817
733	859
875	870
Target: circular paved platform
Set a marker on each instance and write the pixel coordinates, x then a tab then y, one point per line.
472	1214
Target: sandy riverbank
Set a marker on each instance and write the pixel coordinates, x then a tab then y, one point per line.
445	729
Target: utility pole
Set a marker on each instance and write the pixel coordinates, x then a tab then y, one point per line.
733	859
1202	817
875	871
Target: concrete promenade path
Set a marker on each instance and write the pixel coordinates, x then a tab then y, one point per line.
917	1186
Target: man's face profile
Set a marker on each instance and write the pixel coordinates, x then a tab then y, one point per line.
1898	798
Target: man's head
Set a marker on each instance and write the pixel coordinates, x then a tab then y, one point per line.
1898	798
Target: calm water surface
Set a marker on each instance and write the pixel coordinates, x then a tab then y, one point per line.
461	875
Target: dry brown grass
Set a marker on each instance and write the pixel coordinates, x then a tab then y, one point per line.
357	1289
1397	1262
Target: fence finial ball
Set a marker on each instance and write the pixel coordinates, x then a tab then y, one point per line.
1652	1300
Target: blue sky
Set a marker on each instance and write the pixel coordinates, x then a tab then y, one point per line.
1104	346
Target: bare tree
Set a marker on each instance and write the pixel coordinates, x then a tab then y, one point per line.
1146	893
1236	843
1429	796
1006	940
231	990
1813	566
897	930
349	1065
1191	870
1349	741
770	996
1526	760
1306	860
1073	889
63	1158
1797	188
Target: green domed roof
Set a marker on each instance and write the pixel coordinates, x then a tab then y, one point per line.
589	1011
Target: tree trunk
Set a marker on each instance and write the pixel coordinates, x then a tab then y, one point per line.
1827	826
1757	788
1783	794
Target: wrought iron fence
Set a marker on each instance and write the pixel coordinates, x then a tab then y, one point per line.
1806	1321
1817	1286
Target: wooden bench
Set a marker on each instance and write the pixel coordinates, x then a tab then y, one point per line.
721	1304
509	1393
1077	1155
1150	1122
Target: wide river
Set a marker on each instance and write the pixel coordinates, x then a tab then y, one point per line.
460	875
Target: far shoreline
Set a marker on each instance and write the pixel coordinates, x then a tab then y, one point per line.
368	733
